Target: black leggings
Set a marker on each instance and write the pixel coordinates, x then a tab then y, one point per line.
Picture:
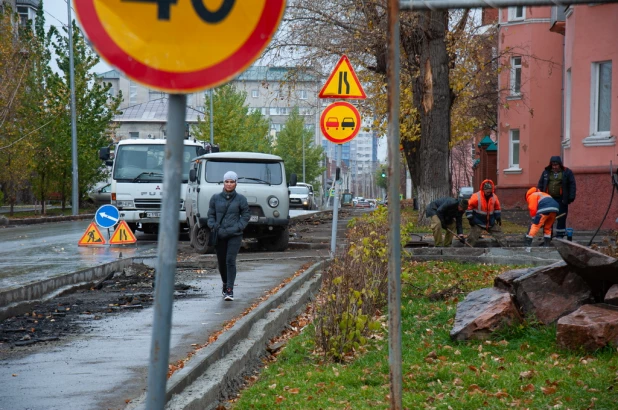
227	250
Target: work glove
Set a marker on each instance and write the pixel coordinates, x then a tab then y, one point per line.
499	221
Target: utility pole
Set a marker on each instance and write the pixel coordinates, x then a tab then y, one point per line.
75	197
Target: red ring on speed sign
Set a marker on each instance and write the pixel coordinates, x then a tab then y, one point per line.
340	122
171	81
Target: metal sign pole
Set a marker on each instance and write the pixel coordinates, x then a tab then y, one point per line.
166	254
394	217
333	239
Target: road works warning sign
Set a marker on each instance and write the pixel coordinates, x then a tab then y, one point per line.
92	236
122	235
343	83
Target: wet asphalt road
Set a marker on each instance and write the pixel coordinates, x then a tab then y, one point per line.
34	252
106	366
31	253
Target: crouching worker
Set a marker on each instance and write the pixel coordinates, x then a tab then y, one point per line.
446	213
484	214
543	209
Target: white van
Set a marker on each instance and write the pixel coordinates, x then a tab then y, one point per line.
261	179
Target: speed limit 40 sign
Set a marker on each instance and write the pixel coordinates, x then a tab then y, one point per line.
180	46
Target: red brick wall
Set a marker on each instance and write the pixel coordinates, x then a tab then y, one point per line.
490	16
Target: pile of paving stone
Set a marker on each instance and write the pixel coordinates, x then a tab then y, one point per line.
580	294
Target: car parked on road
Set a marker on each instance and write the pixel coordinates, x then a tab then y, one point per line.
101	196
362	203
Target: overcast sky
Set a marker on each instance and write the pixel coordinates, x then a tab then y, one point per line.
56	14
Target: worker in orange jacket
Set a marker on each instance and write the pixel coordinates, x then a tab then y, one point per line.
484	214
543	209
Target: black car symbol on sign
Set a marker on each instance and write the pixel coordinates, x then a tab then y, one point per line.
348	122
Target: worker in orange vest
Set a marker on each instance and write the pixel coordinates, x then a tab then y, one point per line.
484	214
543	210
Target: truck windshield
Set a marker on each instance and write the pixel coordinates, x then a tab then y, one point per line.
144	162
248	172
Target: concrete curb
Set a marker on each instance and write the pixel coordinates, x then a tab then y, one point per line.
44	219
20	300
534	256
218	369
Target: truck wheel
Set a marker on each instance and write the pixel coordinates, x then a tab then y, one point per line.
199	239
277	243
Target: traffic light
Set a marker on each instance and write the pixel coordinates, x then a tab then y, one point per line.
338	174
383	174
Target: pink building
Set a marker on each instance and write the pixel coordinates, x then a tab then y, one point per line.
557	99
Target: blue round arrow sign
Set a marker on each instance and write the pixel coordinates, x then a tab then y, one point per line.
107	216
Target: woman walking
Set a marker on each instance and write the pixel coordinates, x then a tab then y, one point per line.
228	215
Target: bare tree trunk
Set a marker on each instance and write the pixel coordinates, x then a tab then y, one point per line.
429	159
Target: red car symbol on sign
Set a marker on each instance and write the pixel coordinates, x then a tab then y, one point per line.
332	122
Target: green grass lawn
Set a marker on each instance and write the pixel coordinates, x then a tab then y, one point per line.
519	368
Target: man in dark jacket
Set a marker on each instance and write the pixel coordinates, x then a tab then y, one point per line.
559	182
446	213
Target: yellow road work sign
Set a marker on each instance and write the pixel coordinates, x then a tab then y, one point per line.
92	236
122	235
340	122
343	82
180	46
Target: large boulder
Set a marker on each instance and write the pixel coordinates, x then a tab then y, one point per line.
591	327
587	262
551	292
611	297
482	312
505	280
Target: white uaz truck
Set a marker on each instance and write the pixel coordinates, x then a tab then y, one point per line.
137	180
261	179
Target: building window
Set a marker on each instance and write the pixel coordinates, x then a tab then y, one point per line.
255	93
278	111
134	135
132	93
515	75
514	149
302	94
567	107
601	104
517	13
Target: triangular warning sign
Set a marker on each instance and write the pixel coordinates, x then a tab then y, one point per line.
92	236
343	82
122	235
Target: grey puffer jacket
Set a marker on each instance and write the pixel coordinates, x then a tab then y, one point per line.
236	218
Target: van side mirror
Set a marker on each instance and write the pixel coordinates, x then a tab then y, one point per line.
293	180
104	153
192	175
